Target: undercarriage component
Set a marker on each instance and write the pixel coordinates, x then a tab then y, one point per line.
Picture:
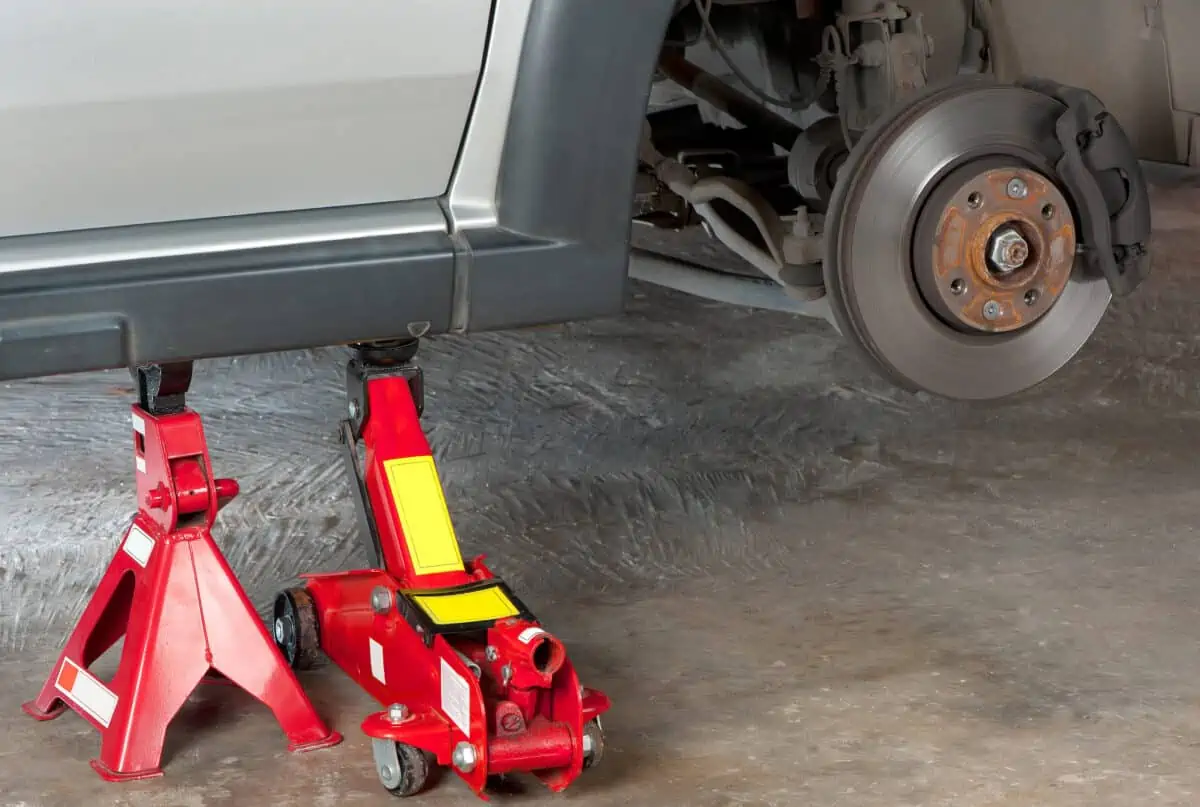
745	110
1002	247
1099	167
950	240
879	53
815	159
787	256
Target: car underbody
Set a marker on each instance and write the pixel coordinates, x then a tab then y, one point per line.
966	232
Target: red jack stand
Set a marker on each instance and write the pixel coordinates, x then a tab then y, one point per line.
469	677
171	594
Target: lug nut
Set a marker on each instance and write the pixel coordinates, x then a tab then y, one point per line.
464	757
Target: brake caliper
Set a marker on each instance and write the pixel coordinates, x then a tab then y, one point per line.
1100	169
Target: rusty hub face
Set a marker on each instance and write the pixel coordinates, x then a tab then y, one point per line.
1002	249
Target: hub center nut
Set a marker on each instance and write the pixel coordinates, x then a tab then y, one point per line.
1009	250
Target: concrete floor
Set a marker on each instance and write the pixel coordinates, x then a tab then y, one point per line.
799	585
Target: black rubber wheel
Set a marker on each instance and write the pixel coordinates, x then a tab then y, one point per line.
411	773
295	628
594	734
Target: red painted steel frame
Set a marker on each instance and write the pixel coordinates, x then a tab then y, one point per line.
523	721
171	594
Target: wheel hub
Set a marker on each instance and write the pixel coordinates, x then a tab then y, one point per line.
998	244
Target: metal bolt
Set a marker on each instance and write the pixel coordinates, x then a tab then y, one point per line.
397	713
589	743
386	773
354	409
506	673
279	630
464	757
991	310
491	654
1017	189
381	600
1009	250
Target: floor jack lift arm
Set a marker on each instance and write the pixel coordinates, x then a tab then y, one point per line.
468	676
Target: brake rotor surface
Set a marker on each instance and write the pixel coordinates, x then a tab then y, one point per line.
923	201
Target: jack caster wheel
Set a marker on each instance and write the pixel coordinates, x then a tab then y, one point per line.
403	770
295	628
951	243
593	743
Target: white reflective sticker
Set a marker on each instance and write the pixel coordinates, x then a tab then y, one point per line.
85	691
140	462
456	698
138	545
377	661
139	425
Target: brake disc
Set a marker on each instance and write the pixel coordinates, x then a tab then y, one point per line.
950	245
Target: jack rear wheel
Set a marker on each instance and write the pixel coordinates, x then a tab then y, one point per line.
403	770
295	628
593	743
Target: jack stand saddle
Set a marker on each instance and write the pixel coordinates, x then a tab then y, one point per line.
171	594
467	675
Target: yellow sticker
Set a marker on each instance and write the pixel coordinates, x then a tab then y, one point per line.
481	605
421	505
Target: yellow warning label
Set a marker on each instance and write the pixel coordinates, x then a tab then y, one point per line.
421	505
481	605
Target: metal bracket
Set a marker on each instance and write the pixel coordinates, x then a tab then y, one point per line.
1101	170
365	367
362	504
162	388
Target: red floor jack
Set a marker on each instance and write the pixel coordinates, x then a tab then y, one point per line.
468	676
171	594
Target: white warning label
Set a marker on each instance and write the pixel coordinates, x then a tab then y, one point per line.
456	698
377	669
138	545
85	691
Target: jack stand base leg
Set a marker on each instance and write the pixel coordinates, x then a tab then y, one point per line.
316	745
109	775
30	708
